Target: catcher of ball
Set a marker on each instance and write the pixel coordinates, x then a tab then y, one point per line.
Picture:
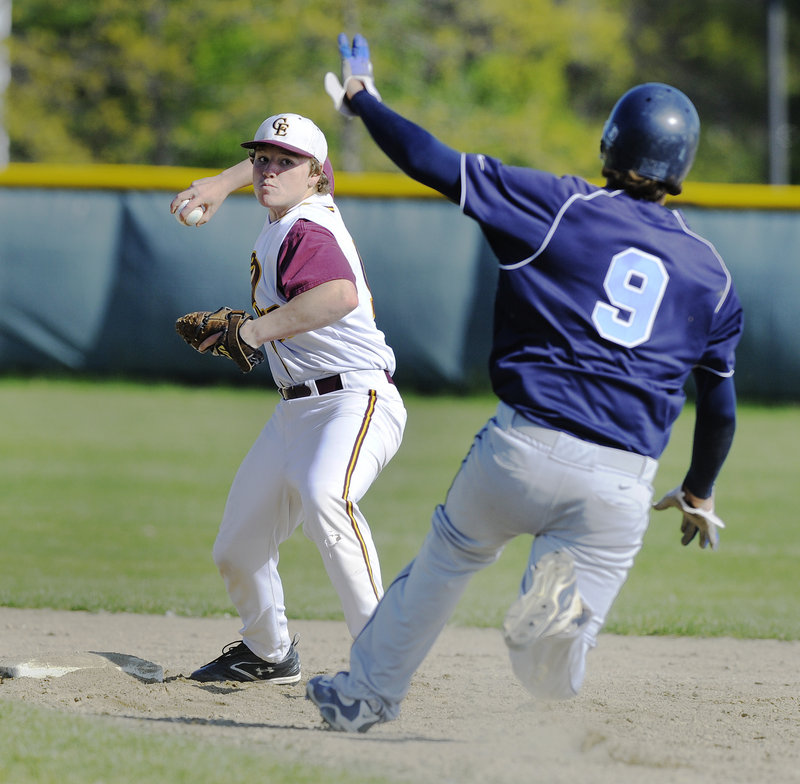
217	332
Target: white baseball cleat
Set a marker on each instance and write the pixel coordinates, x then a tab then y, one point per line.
551	606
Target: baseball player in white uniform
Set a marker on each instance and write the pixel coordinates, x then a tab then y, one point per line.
340	419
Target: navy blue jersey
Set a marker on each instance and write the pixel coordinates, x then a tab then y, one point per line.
605	304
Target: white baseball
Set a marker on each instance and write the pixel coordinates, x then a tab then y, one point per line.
192	218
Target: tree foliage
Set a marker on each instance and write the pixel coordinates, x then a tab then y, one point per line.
529	81
526	80
715	50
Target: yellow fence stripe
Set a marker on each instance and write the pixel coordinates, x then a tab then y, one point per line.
121	177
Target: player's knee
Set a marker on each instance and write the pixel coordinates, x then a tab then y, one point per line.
463	549
223	557
551	692
320	494
547	672
542	682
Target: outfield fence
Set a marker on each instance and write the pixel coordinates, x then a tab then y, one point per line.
94	270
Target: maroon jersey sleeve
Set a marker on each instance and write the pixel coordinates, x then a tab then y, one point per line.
308	257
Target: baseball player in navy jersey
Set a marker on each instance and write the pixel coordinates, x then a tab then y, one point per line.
340	419
606	303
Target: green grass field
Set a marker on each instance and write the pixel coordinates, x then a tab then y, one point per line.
112	492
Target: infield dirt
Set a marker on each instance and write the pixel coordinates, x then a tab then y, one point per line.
653	709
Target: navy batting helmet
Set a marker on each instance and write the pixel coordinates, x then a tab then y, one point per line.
652	130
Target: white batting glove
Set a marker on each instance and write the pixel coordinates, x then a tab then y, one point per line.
355	65
695	520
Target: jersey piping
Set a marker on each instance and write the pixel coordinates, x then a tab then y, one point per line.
588	197
711	247
552	230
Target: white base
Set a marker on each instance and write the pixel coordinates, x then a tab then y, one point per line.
57	666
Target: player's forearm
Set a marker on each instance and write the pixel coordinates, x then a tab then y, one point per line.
313	309
715	426
237	176
210	192
418	153
217	187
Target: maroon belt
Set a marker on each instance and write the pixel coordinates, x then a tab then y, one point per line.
324	385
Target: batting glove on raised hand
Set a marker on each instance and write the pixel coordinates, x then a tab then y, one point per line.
355	65
695	520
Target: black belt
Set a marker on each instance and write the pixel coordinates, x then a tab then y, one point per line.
324	385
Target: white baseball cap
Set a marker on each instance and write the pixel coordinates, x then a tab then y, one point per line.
294	133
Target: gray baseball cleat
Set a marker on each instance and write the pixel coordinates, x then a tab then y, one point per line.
341	714
551	606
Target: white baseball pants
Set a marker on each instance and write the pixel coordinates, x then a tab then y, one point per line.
311	464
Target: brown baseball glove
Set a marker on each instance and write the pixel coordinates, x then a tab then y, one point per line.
218	333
